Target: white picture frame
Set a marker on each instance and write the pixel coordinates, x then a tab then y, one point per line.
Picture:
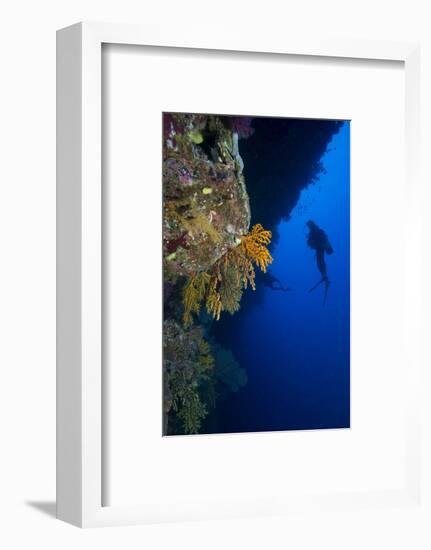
79	265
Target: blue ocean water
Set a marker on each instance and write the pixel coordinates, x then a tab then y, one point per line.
295	350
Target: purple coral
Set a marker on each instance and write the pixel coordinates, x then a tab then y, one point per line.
173	244
185	179
167	125
242	125
172	125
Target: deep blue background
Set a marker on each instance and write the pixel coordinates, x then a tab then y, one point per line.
295	351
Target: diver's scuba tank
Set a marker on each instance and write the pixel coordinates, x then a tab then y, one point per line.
317	238
328	247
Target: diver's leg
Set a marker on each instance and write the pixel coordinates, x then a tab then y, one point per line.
321	264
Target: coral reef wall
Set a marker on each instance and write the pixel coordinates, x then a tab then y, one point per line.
205	203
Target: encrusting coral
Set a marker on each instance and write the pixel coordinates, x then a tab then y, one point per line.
222	287
205	201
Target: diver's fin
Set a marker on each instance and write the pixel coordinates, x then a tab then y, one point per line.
326	292
323	279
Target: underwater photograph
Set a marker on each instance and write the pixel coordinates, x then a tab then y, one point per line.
256	274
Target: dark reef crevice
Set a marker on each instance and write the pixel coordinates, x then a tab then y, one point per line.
281	158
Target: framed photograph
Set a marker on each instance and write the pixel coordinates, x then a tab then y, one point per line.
276	358
238	270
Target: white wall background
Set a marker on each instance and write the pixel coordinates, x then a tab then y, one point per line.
27	273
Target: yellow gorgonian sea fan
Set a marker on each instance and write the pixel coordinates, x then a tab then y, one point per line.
255	244
230	288
213	301
193	294
221	288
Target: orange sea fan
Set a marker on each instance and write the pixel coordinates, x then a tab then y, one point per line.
222	286
255	244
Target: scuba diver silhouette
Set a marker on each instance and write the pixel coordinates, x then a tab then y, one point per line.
318	241
274	284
